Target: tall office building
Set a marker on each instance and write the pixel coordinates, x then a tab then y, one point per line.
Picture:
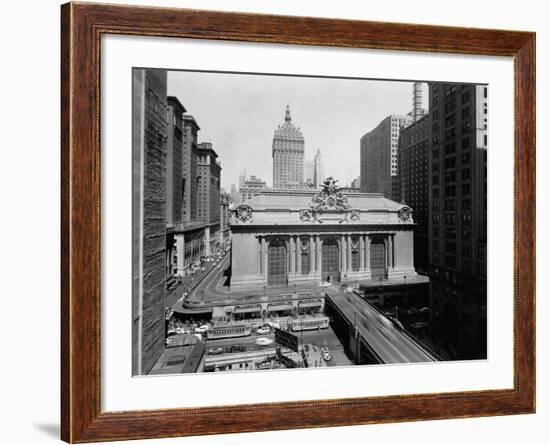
378	163
314	172
242	178
318	170
208	196
413	178
149	141
234	195
253	186
174	158
457	212
288	155
189	168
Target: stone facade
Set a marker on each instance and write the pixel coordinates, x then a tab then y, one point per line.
149	113
285	238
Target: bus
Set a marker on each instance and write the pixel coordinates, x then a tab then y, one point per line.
305	324
228	331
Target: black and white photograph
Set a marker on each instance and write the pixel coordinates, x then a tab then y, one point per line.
285	221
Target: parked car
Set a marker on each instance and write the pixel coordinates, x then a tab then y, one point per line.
215	351
325	353
264	330
236	348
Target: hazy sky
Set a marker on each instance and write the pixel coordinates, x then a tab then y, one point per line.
238	113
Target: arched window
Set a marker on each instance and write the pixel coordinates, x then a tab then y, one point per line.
355	254
304	254
330	260
277	267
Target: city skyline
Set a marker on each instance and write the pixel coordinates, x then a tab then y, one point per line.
332	122
306	276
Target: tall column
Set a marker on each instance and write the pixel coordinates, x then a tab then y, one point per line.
261	264
348	245
387	251
207	241
390	251
318	253
180	250
298	255
311	255
361	252
367	252
292	254
265	255
343	254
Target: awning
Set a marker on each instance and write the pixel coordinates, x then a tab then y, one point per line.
316	303
279	307
247	310
197	311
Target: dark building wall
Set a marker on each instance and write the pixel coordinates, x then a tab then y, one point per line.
458	185
457	212
413	179
149	216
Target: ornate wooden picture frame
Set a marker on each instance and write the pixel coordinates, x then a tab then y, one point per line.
82	26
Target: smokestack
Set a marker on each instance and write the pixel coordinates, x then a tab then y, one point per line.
417	101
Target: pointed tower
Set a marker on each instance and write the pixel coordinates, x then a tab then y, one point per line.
318	170
288	155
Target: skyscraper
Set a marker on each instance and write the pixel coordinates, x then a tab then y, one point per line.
378	166
318	170
189	167
242	178
413	178
208	181
174	157
457	213
314	172
149	114
288	155
253	186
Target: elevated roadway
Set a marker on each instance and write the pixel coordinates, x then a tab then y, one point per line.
384	339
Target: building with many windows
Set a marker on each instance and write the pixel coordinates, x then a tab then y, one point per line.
293	237
185	240
208	188
413	179
288	155
149	150
174	162
378	163
189	167
457	214
251	187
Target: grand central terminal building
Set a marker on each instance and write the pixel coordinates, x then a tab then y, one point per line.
282	238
